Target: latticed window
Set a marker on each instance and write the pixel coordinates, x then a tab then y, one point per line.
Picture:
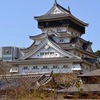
46	53
61	40
42	53
65	66
51	53
35	67
55	66
45	67
26	68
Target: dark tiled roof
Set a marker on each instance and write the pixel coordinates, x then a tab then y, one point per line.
29	80
86	45
74	40
50	37
91	60
46	60
32	47
37	36
59	7
86	87
59	15
92	73
62	8
51	16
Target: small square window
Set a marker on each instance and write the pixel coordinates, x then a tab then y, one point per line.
45	67
55	66
61	40
51	53
46	53
26	68
42	53
35	67
65	66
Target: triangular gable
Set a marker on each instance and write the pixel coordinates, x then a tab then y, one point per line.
79	43
57	9
89	49
47	52
50	44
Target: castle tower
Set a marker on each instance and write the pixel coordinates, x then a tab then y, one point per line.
59	48
60	19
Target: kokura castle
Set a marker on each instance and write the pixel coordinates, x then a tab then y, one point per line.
59	48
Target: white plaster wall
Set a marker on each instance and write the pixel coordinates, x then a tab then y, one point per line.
74	32
63	29
66	40
37	54
87	68
37	42
76	67
40	69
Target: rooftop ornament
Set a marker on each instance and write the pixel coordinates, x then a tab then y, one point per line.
55	2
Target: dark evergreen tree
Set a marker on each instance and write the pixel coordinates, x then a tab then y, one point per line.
97	53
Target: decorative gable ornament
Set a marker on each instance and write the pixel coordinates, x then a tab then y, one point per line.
46	46
56	11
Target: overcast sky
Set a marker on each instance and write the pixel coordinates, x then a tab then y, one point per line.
17	19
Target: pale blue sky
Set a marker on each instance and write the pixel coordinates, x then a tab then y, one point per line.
17	19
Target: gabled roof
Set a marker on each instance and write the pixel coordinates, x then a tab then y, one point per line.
44	35
86	45
57	9
51	44
57	12
91	60
64	46
74	40
40	36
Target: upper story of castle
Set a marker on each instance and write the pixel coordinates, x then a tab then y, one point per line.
59	19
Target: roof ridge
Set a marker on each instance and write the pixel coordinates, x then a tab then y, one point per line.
63	8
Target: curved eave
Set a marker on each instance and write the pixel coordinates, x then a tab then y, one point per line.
46	61
59	16
84	41
81	22
31	47
70	47
37	38
86	62
50	17
86	52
